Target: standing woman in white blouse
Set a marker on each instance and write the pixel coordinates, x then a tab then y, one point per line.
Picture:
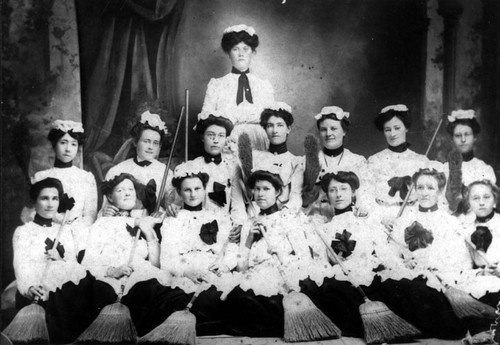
67	137
51	276
240	95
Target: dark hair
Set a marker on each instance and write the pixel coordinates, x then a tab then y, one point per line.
472	123
177	181
48	182
344	123
140	127
230	39
55	134
108	186
494	189
202	125
343	177
440	177
262	175
267	113
382	118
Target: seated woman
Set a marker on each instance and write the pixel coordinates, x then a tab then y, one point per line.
148	136
223	192
67	138
51	276
196	250
426	248
240	95
277	121
126	266
391	169
464	130
333	125
286	233
484	233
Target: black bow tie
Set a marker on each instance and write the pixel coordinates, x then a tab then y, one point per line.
142	163
42	221
482	238
208	232
219	194
243	86
215	159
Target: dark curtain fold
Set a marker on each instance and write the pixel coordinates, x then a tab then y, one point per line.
125	71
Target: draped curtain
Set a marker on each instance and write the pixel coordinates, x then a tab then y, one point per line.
131	67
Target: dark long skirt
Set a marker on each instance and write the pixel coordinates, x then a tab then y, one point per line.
150	303
68	311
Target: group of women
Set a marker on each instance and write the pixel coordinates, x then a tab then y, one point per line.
217	225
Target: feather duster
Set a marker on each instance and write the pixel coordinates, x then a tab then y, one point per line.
310	190
454	186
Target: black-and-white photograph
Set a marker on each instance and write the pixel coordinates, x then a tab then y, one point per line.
211	172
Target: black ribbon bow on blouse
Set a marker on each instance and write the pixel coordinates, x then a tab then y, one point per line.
343	245
219	194
208	232
149	197
482	238
65	203
243	86
416	236
132	230
49	244
142	163
399	184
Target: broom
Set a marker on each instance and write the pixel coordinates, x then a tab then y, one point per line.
29	325
454	186
303	320
463	304
113	324
310	190
380	324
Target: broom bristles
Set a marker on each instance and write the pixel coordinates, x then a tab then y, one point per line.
113	325
245	154
179	328
381	325
464	305
28	326
304	321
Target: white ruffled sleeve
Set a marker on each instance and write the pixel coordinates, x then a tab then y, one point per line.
211	97
90	203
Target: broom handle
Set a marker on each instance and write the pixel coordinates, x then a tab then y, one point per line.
167	168
134	245
274	254
195	296
186	128
405	202
338	261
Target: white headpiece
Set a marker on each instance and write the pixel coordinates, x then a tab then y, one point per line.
397	107
67	125
280	106
241	27
187	169
205	115
339	112
153	120
461	115
283	170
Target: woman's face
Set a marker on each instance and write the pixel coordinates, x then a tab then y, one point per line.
214	139
241	56
123	195
340	194
192	191
463	138
66	148
47	202
277	131
331	133
148	145
265	194
427	191
395	132
481	200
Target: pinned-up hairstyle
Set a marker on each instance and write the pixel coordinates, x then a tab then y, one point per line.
494	189
382	118
439	176
108	186
267	113
221	121
48	182
262	175
177	181
55	134
343	177
344	123
230	39
472	123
